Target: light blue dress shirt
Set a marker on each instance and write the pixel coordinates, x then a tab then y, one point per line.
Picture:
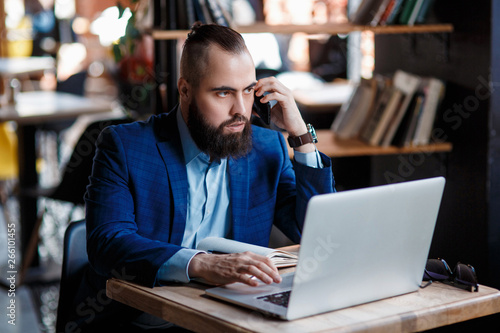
209	207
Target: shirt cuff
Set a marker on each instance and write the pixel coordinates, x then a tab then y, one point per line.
312	159
175	269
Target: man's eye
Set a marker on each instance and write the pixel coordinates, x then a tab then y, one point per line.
222	93
248	90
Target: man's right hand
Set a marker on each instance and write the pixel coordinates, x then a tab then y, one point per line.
243	267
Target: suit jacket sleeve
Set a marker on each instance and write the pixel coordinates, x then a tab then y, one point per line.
298	183
115	243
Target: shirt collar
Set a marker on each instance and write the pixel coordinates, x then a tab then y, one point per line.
189	147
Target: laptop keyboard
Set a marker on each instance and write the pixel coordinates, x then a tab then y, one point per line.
280	298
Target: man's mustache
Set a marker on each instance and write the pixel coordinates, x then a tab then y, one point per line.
236	119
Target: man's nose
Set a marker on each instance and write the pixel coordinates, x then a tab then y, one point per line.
240	106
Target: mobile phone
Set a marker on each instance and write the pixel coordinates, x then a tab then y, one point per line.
262	109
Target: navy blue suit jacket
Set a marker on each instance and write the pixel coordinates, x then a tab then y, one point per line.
136	202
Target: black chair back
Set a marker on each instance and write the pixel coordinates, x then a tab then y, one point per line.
75	177
75	261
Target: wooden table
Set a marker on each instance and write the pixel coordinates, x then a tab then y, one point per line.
187	306
11	67
37	107
14	68
33	109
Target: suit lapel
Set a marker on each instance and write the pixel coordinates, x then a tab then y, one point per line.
170	149
239	188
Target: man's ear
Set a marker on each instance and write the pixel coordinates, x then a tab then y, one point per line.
184	89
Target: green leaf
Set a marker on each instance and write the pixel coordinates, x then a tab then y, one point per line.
117	53
131	31
121	9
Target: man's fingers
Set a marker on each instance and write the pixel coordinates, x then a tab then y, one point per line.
261	268
246	267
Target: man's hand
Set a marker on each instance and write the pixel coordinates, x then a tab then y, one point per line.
234	267
285	114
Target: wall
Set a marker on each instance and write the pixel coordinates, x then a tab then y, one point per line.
463	60
494	148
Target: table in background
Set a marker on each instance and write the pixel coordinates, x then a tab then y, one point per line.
10	67
188	306
16	68
33	109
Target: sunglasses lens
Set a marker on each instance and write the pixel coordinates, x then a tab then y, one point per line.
465	275
437	269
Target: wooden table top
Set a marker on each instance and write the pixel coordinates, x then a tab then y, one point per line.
42	106
188	306
10	67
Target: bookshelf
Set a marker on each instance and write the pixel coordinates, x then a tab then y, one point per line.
316	29
332	146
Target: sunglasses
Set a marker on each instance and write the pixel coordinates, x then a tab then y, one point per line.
463	276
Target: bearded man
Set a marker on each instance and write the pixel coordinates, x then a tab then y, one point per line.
161	186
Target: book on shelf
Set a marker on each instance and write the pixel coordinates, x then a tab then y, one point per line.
171	15
385	92
223	245
406	83
181	14
388	12
377	16
393	104
404	111
415	11
406	11
225	7
424	11
394	13
366	11
206	11
405	132
198	11
216	12
160	14
352	114
190	12
434	92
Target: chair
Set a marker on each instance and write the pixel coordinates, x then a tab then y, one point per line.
75	85
75	261
74	180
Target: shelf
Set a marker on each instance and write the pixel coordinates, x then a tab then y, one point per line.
332	146
316	29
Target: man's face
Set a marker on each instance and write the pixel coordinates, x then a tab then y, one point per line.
227	89
220	109
213	141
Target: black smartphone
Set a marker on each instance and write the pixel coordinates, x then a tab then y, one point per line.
262	109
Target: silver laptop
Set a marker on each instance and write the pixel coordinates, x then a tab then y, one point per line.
357	246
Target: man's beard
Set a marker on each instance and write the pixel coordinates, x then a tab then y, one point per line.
212	140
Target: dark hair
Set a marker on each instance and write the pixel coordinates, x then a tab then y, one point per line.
195	49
